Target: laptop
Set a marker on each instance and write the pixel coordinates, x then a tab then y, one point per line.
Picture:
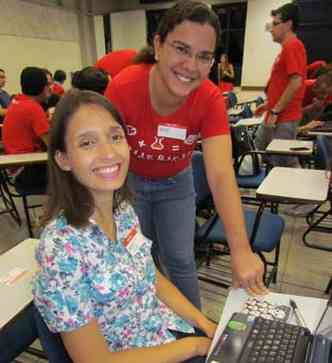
249	339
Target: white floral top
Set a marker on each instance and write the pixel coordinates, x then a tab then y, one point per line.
85	275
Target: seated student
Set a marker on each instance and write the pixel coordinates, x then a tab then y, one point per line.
317	96
97	285
25	128
59	79
226	74
113	62
313	67
4	96
90	79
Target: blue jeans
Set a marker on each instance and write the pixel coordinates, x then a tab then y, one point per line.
166	211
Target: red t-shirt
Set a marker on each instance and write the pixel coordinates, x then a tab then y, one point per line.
203	115
313	68
24	123
291	60
58	89
309	95
114	62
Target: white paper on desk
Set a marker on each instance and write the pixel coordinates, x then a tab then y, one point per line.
13	275
311	308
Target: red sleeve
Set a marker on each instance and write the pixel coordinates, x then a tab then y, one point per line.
40	122
294	59
215	119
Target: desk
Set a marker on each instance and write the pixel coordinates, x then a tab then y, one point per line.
312	308
281	146
18	295
317	133
22	159
249	122
295	185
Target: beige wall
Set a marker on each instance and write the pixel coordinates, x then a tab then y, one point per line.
259	49
128	29
37	35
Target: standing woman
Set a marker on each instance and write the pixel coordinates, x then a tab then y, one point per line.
168	103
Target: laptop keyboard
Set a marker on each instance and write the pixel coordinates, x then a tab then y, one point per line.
275	341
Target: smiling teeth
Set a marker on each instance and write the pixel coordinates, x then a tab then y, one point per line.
184	79
107	170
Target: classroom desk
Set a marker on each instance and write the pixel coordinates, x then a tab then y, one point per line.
311	308
17	295
295	185
317	133
22	159
285	147
249	122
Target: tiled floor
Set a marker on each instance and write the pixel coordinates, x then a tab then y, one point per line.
302	270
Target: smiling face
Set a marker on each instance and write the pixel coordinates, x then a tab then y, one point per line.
97	152
184	59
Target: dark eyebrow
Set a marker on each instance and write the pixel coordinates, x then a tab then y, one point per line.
178	42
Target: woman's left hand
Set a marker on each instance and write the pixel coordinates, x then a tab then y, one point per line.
208	327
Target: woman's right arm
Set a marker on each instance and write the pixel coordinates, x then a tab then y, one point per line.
87	344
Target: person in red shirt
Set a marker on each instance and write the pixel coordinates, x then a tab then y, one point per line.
168	103
317	96
285	89
25	128
59	79
114	62
313	67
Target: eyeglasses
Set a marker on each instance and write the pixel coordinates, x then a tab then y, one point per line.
204	59
272	24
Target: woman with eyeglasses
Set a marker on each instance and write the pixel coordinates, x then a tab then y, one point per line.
168	103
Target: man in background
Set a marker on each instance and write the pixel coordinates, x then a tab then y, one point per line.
113	62
4	96
59	79
25	128
285	88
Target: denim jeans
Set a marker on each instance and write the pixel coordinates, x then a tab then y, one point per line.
166	211
266	134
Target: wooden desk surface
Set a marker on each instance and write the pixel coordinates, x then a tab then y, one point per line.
280	146
295	184
18	294
22	159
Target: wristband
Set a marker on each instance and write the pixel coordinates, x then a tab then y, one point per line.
274	113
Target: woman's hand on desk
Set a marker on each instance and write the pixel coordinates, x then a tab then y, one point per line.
248	271
207	326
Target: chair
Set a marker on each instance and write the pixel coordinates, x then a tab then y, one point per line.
8	188
264	228
8	202
52	343
244	147
318	219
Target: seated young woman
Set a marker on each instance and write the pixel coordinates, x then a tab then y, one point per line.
98	286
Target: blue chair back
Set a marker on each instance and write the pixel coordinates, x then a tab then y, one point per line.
232	99
323	159
200	181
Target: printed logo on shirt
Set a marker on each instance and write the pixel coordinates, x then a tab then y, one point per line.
131	130
158	143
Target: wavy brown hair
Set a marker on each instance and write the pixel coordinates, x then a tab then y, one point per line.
66	194
191	10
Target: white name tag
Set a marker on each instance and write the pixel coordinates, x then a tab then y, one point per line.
172	131
134	241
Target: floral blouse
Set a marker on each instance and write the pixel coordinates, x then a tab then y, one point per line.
85	275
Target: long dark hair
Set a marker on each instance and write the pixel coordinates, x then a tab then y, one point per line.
66	194
191	10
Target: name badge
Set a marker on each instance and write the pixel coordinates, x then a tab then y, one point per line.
133	241
172	131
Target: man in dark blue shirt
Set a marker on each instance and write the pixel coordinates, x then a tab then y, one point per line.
4	96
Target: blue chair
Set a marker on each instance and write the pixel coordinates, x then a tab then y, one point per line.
316	218
265	231
52	343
